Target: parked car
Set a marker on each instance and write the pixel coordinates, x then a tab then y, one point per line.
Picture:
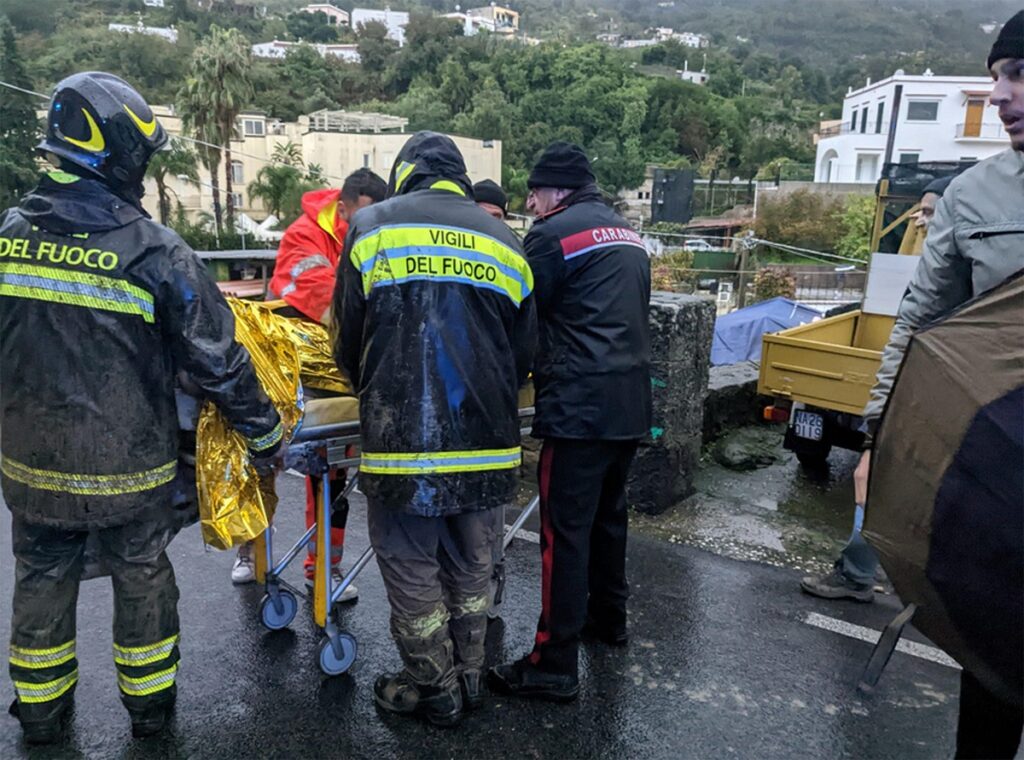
698	244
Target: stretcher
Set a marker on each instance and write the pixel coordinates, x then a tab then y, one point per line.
328	439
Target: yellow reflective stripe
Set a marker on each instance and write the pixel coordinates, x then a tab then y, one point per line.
145	685
398	253
86	484
33	693
36	659
266	441
440	462
63	178
75	288
147	128
95	143
146	655
404	170
326	218
451	187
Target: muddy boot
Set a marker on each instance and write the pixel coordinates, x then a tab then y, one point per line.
428	686
468	634
44	723
150	719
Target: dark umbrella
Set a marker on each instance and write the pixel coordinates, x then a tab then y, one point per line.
946	497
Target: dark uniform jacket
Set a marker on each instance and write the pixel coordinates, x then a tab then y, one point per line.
436	331
99	309
592	281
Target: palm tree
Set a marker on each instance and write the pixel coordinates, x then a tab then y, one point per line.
219	85
274	185
176	161
197	119
288	153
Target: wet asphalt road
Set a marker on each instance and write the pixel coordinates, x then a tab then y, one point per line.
721	664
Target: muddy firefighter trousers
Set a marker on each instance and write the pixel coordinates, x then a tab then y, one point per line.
437	572
584	524
48	567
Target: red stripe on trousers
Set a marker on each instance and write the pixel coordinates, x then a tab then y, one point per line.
546	552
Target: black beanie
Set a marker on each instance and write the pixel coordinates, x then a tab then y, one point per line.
937	186
1010	42
489	191
562	164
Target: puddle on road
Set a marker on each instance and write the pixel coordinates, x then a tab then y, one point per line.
778	515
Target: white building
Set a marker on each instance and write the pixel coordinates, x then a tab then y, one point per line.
153	3
168	33
335	15
395	21
493	19
279	49
694	77
940	119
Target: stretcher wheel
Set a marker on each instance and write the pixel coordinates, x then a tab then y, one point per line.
281	615
330	663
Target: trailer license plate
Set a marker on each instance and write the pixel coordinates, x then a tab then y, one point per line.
809	425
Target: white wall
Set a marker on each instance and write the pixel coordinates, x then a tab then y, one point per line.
857	153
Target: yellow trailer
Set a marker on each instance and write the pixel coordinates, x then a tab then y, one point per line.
820	375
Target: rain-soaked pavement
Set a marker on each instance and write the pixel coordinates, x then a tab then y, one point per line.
723	661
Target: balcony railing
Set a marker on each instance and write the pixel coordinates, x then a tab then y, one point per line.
993	132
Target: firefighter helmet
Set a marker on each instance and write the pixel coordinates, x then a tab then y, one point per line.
100	123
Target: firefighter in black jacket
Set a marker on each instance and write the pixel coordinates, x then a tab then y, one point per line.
99	309
592	283
436	328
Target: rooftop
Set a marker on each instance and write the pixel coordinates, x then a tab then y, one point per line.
355	121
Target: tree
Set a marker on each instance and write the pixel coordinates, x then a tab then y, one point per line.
288	153
376	50
856	224
18	125
220	83
176	161
311	27
274	185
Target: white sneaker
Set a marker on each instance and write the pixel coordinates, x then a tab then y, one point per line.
243	571
350	594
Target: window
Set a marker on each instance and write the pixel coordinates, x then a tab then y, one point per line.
879	116
236	200
923	110
867	167
366	160
253	127
864	120
237	172
853	121
910	158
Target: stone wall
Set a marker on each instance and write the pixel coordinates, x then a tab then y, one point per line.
732	400
681	330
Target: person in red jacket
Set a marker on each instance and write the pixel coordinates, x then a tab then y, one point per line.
304	274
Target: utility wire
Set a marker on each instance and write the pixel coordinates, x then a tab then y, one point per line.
193	140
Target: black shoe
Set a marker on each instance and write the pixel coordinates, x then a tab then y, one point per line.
523	679
151	720
472	689
835	585
46	730
613	636
441	705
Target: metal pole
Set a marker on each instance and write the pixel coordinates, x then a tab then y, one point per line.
893	121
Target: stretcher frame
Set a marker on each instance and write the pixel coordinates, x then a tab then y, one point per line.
315	451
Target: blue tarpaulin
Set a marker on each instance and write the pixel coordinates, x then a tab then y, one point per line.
738	335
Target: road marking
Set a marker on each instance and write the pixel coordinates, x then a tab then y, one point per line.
526	535
871	636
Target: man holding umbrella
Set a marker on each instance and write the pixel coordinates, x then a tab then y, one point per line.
974	244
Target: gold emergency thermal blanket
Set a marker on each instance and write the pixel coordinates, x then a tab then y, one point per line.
233	508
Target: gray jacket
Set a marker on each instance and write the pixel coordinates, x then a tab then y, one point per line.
974	243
